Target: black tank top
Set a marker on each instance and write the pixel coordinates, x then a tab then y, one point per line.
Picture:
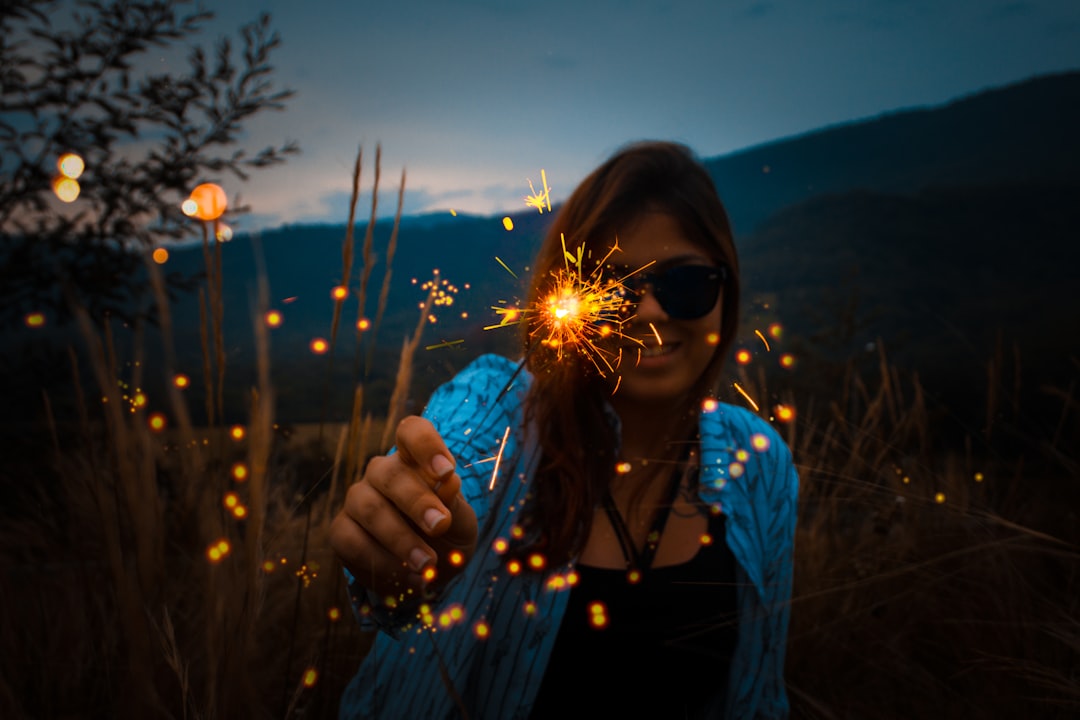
664	645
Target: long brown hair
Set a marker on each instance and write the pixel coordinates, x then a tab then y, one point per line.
568	398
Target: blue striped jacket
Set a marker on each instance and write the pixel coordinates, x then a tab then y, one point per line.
482	648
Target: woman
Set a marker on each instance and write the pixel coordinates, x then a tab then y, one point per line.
594	535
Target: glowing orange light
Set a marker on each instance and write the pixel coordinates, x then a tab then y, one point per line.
231	500
939	498
530	608
160	256
623	468
776	330
706	539
537	561
508	223
333	614
979	477
742	455
237	432
713	338
268	566
139	400
218	550
70	165
339	293
787	361
156	422
517	532
310	677
239	512
319	346
239	472
598	615
481	630
273	318
513	567
710	404
500	546
429	573
456	558
66	189
759	442
363	324
633	577
572	577
743	357
35	320
210	201
784	413
181	381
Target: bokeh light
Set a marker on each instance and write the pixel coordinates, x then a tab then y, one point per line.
787	361
508	223
34	320
784	413
273	318
743	356
66	189
181	381
210	201
156	421
339	293
70	165
319	346
237	432
239	472
160	256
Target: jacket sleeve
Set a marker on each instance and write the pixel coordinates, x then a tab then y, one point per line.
471	413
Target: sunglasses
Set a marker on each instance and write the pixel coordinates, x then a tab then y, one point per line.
685	292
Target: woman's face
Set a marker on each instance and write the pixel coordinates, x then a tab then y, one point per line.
661	369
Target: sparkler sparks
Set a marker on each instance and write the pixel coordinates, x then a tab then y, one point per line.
580	309
540	200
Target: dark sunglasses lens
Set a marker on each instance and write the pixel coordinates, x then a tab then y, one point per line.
687	292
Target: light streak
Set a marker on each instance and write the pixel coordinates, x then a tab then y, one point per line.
760	335
655	332
618	382
748	398
444	344
498	459
505	267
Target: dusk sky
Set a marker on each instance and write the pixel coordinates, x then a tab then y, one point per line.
474	97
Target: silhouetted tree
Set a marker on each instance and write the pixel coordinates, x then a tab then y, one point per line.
75	77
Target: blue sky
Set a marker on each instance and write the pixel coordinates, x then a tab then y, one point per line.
474	97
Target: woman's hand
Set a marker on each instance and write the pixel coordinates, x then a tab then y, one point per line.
406	516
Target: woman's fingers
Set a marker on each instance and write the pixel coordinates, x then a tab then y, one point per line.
372	564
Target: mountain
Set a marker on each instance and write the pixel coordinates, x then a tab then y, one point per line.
936	230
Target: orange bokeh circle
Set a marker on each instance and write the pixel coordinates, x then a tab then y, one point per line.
210	201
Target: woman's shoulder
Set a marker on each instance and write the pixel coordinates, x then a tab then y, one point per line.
739	426
488	380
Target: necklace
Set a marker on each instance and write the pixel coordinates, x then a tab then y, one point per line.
639	563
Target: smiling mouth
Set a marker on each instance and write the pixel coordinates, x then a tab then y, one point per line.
658	350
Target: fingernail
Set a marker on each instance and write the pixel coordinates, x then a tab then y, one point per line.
418	559
441	466
433	517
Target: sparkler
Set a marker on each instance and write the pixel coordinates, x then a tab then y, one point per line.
580	311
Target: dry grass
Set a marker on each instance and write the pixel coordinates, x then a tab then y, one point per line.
920	590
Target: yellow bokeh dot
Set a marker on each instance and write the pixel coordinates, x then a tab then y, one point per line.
785	413
530	608
429	573
71	165
273	318
481	629
156	422
623	468
759	442
513	567
939	498
231	500
508	223
710	404
456	557
66	189
181	381
713	338
239	472
310	677
537	561
500	545
319	346
333	614
35	320
743	357
979	477
237	432
239	512
339	293
363	324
